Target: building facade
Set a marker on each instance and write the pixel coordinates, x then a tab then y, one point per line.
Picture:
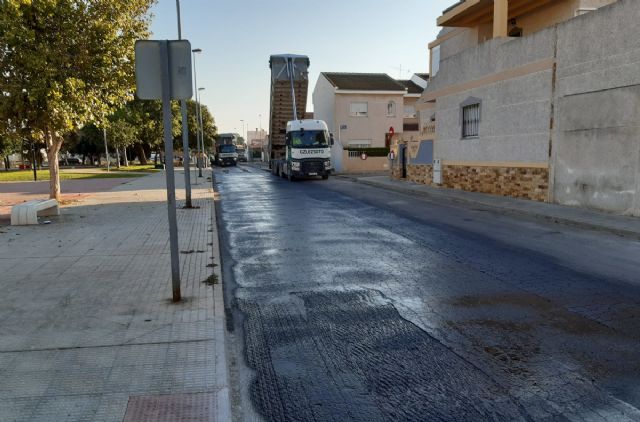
361	110
517	93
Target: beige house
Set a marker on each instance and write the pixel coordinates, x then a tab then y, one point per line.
361	109
533	99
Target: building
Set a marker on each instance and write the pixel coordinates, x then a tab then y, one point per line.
536	100
256	141
362	109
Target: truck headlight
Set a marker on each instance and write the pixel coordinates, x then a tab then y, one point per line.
327	164
295	165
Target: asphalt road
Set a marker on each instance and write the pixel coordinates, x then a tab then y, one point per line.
352	303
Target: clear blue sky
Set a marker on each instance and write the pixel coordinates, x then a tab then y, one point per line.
238	36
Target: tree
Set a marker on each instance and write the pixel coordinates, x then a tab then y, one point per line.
209	129
8	145
146	116
208	123
66	63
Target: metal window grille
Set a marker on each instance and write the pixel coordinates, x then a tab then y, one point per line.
354	154
470	120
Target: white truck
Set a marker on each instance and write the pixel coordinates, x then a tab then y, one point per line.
297	147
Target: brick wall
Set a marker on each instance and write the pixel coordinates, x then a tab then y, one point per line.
516	182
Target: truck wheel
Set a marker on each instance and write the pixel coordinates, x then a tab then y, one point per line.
291	177
325	176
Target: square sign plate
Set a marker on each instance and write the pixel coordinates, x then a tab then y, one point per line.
149	69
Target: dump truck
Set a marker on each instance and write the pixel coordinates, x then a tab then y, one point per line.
298	147
226	153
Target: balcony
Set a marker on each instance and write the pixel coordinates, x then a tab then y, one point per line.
473	13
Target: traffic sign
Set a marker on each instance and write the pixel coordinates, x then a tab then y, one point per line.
149	69
392	131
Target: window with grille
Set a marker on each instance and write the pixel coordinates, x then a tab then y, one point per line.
470	120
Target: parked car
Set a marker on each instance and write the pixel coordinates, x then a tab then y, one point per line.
70	161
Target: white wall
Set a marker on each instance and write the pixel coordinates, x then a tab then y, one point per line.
324	104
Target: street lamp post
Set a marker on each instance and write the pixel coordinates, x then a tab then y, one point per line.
186	155
200	123
195	83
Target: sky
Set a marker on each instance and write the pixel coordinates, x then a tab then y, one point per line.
238	36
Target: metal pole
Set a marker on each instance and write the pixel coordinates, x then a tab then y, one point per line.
33	155
290	69
195	82
186	155
201	128
106	149
171	183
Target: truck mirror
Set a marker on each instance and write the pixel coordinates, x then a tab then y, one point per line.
331	140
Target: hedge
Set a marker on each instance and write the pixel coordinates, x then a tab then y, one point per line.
371	152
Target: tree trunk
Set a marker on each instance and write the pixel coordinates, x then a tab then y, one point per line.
117	157
141	155
126	159
54	144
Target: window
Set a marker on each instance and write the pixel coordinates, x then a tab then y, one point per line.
410	112
470	120
435	60
359	109
391	109
309	138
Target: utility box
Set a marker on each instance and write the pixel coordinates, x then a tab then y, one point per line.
437	171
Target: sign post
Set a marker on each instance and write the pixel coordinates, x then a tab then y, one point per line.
163	72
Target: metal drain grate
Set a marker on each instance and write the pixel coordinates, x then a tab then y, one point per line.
196	407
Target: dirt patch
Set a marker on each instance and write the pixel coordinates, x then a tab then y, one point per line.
548	313
211	280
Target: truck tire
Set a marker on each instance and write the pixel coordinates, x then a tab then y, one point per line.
291	177
325	176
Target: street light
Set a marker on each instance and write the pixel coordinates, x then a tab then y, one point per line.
200	123
195	84
186	155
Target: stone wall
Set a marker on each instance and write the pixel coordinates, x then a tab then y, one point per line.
516	182
420	173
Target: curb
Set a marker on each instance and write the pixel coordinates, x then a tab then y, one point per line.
223	409
505	210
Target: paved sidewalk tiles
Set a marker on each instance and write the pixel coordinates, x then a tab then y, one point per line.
86	320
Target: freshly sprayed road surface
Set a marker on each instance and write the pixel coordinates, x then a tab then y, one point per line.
351	303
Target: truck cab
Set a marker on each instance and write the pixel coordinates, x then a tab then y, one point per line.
308	150
226	155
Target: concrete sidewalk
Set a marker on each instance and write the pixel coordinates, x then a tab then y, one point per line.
578	217
87	328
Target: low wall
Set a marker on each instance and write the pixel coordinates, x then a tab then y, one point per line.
358	165
420	173
516	182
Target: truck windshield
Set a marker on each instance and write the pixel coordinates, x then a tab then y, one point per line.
309	138
227	148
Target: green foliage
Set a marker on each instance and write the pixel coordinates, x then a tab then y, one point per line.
208	123
371	152
8	146
66	63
